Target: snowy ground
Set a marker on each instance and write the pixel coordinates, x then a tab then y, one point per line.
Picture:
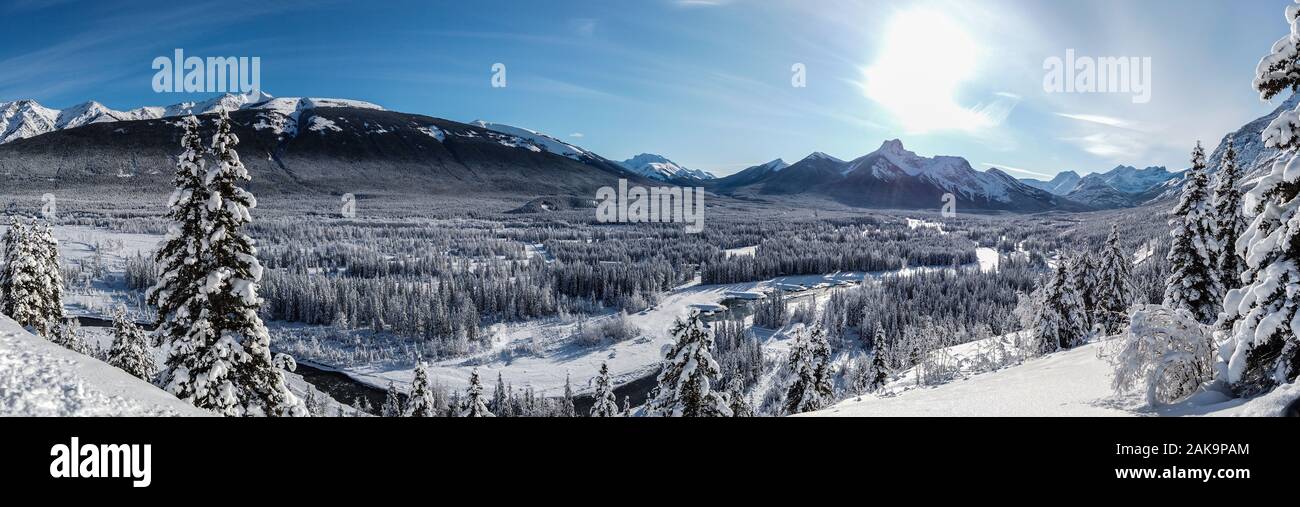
39	378
1073	383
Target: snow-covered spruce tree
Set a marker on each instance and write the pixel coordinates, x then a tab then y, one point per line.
740	405
183	265
500	400
1193	283
51	274
686	377
1262	349
27	284
605	405
810	389
566	403
223	362
67	334
130	350
1230	221
420	403
181	257
1114	289
772	312
392	406
879	372
1083	274
475	402
1059	323
8	256
1167	352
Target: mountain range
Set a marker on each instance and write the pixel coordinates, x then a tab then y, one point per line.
660	168
892	177
294	144
1121	187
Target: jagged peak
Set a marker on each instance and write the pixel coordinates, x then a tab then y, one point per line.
893	146
817	155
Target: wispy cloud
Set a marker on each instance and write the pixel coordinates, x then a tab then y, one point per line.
584	27
1017	170
701	3
1116	147
1109	121
577	134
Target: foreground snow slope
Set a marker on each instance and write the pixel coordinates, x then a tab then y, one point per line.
39	378
1073	383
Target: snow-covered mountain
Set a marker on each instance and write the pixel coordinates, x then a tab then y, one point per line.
1121	187
22	119
1254	158
1062	184
1131	180
893	177
1096	192
660	168
537	141
1252	155
300	145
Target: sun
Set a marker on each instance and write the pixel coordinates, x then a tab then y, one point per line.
925	59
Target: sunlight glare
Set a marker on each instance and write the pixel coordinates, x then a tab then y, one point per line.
925	59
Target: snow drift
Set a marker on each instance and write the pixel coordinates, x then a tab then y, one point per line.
39	378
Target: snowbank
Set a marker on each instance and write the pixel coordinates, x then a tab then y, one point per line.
39	378
1073	383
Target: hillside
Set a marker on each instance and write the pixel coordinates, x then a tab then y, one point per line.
39	378
1072	383
317	147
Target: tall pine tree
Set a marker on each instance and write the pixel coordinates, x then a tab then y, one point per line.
605	405
566	403
223	361
1262	349
475	401
14	235
685	382
32	300
421	403
392	406
740	405
879	370
1230	221
1114	288
810	388
1193	283
1083	273
130	350
1059	322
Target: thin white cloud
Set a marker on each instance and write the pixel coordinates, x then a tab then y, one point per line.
1109	121
701	3
1018	170
583	27
1111	146
577	134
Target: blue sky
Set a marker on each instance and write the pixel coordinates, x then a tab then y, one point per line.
706	83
